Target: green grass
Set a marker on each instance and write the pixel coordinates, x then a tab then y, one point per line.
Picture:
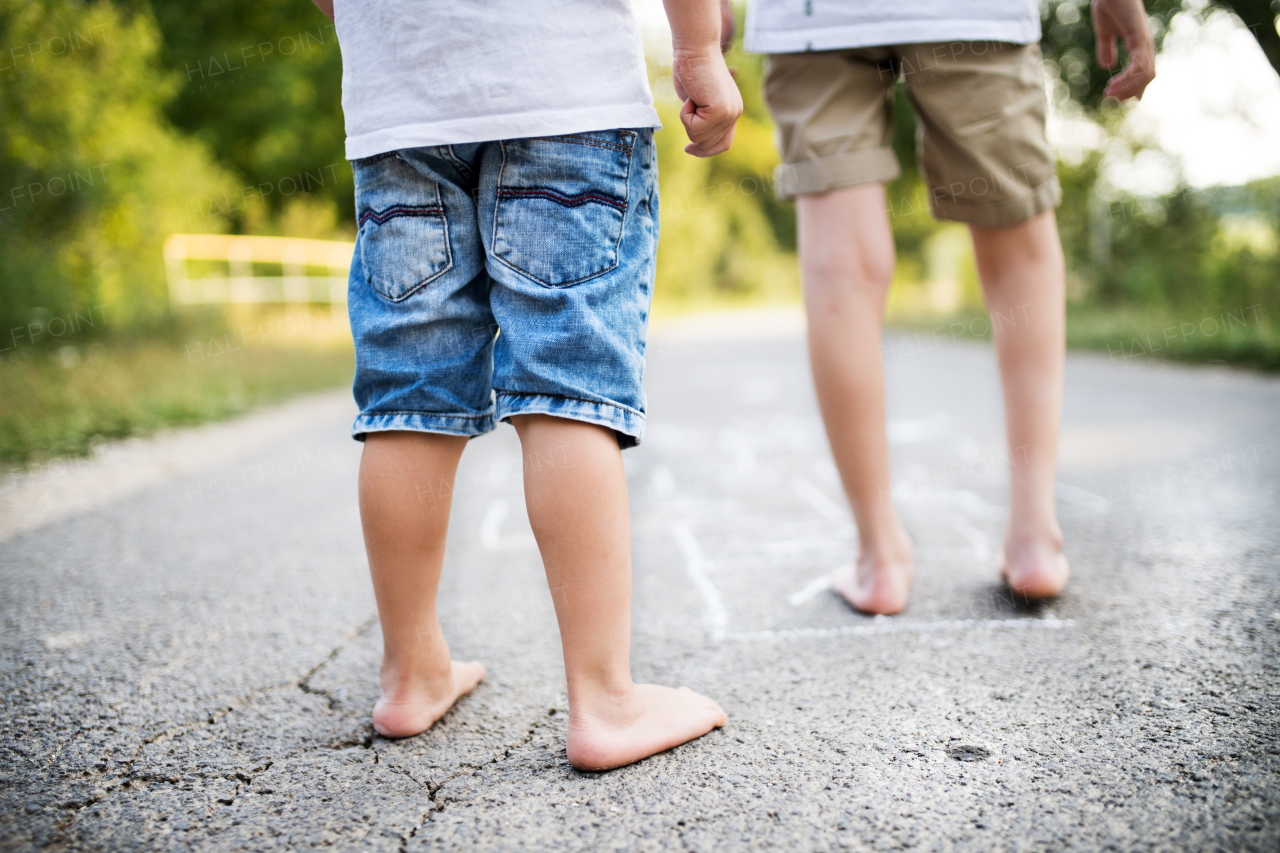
1243	337
1247	338
63	402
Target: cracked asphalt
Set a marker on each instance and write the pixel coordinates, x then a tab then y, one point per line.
190	643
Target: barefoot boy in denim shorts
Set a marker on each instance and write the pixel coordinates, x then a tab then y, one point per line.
507	204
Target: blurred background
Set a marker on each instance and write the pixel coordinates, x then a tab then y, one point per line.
124	122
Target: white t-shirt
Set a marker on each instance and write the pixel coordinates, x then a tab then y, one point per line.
442	72
794	26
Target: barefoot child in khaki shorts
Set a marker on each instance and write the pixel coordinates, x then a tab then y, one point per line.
507	204
972	72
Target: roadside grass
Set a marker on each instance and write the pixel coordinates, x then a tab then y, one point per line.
1242	338
62	401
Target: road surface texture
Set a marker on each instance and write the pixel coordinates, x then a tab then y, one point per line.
190	646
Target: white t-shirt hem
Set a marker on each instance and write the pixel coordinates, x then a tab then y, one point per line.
895	32
508	126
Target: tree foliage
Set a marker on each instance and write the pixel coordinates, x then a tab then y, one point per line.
1068	43
724	233
122	121
1262	17
259	83
93	176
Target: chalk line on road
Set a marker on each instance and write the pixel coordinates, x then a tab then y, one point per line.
1077	495
695	567
491	525
817	501
890	625
918	430
913	494
817	585
976	538
740	447
491	538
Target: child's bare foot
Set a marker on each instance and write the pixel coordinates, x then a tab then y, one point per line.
1035	570
881	582
409	707
609	730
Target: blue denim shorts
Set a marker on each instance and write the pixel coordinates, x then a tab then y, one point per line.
504	278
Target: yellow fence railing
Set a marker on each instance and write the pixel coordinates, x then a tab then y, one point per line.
297	283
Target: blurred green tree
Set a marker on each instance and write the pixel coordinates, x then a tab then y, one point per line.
93	176
1174	252
260	84
1262	17
725	236
1068	43
126	120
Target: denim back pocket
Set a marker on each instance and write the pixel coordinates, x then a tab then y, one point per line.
561	204
404	235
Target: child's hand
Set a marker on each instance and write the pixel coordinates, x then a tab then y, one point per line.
712	102
1125	20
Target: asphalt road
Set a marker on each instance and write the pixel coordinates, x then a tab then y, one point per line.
190	645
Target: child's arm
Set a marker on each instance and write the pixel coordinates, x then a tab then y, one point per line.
326	6
1127	21
712	102
728	25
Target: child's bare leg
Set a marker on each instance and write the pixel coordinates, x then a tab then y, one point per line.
406	487
576	492
846	259
1022	275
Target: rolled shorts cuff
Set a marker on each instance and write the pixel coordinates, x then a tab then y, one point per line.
847	169
998	214
627	424
468	425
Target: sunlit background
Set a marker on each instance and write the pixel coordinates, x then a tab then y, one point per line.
126	123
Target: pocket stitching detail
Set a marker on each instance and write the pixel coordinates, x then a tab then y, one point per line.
621	231
382	217
592	141
561	199
369	161
438	213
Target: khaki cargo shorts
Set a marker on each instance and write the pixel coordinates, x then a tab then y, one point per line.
981	111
